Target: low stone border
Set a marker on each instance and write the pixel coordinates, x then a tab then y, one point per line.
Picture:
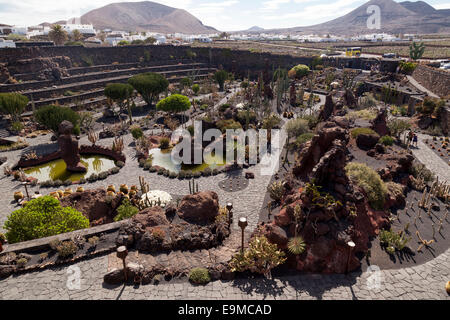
37	246
119	159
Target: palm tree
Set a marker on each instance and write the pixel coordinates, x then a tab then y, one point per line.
58	35
77	35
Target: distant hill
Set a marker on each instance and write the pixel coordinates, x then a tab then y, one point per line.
404	17
255	29
145	16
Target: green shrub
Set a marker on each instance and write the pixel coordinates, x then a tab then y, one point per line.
398	126
271	122
51	117
369	180
299	71
297	127
407	67
196	89
420	171
356	132
221	76
313	120
125	211
164	143
276	190
43	217
230	124
304	138
387	140
17	126
66	249
13	104
174	103
366	114
136	132
199	276
149	85
260	257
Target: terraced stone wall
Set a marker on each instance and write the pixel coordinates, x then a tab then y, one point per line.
242	63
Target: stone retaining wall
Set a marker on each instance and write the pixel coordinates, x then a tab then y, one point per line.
435	80
240	62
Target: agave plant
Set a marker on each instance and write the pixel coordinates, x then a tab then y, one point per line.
296	245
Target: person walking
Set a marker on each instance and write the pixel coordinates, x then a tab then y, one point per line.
410	138
415	140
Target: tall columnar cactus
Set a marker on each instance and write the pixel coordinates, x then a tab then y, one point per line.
416	50
193	188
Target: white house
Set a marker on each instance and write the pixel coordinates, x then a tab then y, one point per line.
85	29
7	43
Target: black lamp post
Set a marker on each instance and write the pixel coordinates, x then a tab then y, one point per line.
243	224
230	213
122	253
351	245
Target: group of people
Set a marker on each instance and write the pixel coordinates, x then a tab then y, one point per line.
412	139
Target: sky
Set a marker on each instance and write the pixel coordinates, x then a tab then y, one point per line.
225	15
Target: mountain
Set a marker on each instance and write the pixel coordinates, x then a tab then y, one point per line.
404	17
145	16
418	7
255	29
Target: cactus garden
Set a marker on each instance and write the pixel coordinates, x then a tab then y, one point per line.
303	168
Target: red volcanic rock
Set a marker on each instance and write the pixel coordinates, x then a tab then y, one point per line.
151	217
93	205
202	207
367	141
276	235
69	148
327	109
379	124
315	149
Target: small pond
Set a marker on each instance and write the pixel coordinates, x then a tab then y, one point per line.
56	170
163	159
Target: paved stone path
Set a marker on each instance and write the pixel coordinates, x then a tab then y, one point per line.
428	157
421	282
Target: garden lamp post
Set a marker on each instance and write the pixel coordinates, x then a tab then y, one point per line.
25	184
351	245
122	253
243	224
230	213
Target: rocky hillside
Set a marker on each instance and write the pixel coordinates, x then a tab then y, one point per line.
145	16
404	17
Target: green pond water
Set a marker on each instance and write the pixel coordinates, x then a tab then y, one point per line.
162	158
56	170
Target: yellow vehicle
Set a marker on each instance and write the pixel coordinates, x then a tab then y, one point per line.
353	52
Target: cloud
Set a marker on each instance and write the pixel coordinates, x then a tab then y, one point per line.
273	4
441	6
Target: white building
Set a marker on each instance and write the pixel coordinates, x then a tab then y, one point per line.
7	43
85	29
